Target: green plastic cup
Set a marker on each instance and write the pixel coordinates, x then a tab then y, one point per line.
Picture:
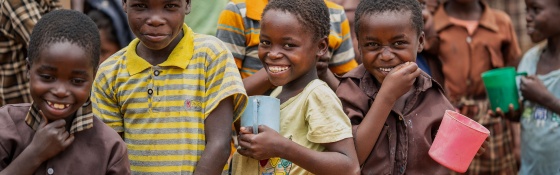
501	88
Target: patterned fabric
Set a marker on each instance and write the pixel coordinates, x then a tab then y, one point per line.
18	17
82	121
312	117
239	28
540	153
161	109
499	157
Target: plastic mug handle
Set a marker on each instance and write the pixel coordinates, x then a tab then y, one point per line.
255	116
521	73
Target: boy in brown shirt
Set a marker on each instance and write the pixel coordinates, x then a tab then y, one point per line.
58	133
394	107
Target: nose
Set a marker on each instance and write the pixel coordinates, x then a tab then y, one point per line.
60	90
386	54
274	55
155	20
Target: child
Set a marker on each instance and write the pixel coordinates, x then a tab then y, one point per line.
57	133
109	43
540	119
473	38
173	94
394	107
239	27
315	136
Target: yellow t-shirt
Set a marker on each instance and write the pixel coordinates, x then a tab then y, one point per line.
310	118
161	108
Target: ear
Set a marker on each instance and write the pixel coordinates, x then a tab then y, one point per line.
124	5
323	45
421	41
188	7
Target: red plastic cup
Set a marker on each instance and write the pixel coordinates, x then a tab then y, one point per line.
457	141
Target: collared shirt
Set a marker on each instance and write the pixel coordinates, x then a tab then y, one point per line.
96	149
161	108
239	28
410	128
83	119
465	57
516	11
18	17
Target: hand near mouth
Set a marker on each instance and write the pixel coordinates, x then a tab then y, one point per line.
400	80
50	138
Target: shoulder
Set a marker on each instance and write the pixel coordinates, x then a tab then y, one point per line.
357	72
501	17
237	6
209	46
100	131
533	53
11	114
113	63
333	6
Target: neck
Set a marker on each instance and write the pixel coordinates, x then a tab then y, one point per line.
466	11
553	46
155	57
297	85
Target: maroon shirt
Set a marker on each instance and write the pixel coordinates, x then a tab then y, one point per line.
408	133
97	150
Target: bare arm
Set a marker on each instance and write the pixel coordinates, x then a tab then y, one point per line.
534	90
329	78
337	158
257	84
217	128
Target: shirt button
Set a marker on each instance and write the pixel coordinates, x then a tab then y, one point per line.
50	171
469	39
150	91
468	82
156	72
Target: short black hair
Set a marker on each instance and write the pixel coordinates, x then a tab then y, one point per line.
104	22
312	14
65	26
367	7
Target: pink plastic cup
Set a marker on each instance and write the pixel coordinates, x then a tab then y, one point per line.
457	141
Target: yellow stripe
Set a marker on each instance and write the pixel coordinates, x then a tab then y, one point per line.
163	126
166	147
161	169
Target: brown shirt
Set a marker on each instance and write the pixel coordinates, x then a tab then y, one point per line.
465	57
97	150
408	133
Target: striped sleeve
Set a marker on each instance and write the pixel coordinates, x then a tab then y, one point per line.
231	31
340	41
222	81
104	99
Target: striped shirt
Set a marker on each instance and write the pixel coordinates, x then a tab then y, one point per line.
239	28
17	19
161	109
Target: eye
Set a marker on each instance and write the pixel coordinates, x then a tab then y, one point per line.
139	6
400	44
78	81
46	77
372	45
264	43
171	6
289	46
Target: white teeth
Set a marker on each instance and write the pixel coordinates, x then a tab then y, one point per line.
58	105
276	69
386	69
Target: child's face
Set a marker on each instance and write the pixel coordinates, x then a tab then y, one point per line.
541	19
156	22
288	51
57	89
387	40
108	47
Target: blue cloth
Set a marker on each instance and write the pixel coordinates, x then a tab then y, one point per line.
423	64
540	127
113	9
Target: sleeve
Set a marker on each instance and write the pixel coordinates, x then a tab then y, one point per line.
8	137
511	51
342	60
223	80
231	30
23	16
119	163
327	122
105	103
355	103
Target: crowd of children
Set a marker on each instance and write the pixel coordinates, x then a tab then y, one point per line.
165	102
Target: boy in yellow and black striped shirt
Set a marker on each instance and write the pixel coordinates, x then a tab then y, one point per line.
172	93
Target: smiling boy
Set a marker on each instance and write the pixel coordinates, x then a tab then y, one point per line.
394	107
58	132
172	94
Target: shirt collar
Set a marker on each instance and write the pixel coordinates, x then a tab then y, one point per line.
184	49
255	8
83	119
487	19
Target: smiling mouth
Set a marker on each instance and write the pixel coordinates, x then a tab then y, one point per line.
385	69
58	106
278	69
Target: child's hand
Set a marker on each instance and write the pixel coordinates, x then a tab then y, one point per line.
533	89
511	114
50	139
259	146
483	147
400	80
323	64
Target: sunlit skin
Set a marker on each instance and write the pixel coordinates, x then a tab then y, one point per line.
57	89
286	53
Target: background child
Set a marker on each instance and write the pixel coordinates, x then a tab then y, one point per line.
473	38
58	134
109	43
540	118
172	92
239	27
394	107
315	135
